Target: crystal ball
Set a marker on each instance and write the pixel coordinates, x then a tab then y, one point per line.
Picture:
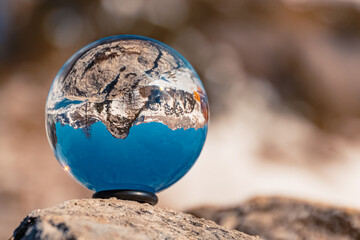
127	112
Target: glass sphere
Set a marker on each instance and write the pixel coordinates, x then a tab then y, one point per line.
127	112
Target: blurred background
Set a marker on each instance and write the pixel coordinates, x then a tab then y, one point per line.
283	80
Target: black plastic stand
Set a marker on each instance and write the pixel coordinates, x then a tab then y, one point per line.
132	195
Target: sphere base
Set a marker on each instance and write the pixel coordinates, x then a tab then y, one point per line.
131	195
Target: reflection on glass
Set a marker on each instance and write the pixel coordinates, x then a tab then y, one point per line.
127	112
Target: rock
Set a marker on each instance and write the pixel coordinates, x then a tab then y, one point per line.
117	219
275	218
123	82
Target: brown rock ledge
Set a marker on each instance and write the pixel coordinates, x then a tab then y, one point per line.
278	218
116	219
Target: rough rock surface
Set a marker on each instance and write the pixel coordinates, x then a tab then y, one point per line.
275	218
117	219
